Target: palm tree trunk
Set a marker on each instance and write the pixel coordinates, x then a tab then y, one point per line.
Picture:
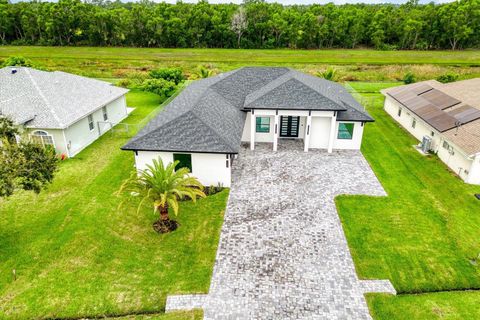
163	212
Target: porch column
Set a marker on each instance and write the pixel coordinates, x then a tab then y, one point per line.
253	123
307	132
331	138
275	132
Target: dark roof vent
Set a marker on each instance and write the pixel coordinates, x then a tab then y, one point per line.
14	70
477	195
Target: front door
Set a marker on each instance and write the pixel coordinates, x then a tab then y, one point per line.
289	126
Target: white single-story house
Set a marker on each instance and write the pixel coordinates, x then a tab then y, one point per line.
446	117
60	109
206	124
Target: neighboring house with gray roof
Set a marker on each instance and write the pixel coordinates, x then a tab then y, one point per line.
206	124
445	117
58	108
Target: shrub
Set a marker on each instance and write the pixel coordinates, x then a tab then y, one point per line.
448	77
170	74
161	87
409	78
17	61
329	74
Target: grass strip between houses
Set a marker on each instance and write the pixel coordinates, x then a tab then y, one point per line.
424	236
77	254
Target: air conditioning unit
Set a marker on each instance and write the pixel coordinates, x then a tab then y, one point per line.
426	144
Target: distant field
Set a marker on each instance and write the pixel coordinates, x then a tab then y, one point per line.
276	56
352	65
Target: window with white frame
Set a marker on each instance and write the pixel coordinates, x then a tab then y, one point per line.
42	138
105	114
414	123
399	112
90	122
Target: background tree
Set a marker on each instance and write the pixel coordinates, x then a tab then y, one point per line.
253	24
239	24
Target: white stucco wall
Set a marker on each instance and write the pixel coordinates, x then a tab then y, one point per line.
458	162
79	135
350	144
405	120
319	133
58	139
209	168
474	175
319	130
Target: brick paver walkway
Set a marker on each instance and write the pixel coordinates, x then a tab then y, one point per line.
282	252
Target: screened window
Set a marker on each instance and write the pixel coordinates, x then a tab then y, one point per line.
263	124
414	123
42	137
345	131
105	114
90	122
399	112
185	161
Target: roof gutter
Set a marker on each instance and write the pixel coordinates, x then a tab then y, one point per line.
180	151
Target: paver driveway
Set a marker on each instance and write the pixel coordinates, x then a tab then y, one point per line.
282	252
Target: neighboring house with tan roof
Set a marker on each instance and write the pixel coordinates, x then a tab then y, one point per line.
445	116
60	109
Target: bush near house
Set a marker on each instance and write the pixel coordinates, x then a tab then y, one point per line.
170	74
162	87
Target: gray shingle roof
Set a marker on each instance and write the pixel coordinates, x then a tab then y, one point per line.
209	115
41	99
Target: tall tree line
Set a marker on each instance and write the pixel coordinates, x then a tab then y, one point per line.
254	24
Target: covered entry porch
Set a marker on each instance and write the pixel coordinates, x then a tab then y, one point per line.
315	129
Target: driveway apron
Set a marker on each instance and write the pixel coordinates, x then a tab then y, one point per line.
282	252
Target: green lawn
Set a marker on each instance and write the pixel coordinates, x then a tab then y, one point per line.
424	236
76	254
365	65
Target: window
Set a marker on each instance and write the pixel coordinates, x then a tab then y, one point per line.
105	114
185	161
432	134
263	124
399	112
414	123
42	137
446	145
345	131
90	122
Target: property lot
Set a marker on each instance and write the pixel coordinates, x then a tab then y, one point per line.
424	236
77	254
282	252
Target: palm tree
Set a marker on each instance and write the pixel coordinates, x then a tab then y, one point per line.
163	187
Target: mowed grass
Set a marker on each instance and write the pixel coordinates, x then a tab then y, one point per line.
424	237
364	65
77	254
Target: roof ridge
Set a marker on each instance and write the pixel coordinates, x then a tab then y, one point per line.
212	129
297	73
254	98
43	97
